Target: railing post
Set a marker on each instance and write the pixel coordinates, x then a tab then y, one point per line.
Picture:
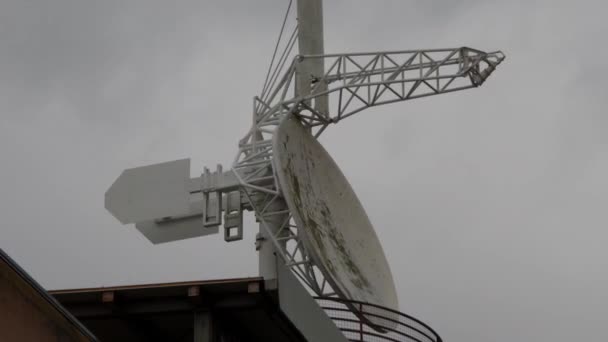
361	324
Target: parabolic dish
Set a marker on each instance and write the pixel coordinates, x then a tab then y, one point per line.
334	227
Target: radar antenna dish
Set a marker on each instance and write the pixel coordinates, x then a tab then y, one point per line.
309	217
334	227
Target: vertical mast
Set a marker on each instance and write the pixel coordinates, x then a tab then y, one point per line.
310	42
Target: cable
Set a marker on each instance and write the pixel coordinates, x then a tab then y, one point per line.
284	56
276	48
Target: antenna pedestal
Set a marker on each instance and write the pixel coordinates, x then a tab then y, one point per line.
326	239
275	218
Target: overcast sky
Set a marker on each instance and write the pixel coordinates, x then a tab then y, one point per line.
491	204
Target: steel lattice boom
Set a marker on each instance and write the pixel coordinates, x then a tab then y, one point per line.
320	89
358	81
353	82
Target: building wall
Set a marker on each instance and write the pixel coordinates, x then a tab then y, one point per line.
25	315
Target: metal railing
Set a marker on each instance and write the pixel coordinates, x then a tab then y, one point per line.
388	325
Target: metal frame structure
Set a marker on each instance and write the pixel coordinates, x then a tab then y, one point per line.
392	326
319	89
353	82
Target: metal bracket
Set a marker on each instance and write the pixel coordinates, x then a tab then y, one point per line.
212	216
259	239
233	217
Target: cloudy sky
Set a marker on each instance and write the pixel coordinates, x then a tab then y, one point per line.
491	204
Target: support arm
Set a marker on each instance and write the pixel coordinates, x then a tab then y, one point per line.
356	81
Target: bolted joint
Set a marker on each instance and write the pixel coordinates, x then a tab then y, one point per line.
259	239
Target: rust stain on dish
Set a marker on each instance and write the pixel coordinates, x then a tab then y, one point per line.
335	229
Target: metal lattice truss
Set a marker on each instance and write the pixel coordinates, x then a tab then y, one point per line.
352	83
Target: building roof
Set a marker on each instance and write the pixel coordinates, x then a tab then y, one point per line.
29	313
242	308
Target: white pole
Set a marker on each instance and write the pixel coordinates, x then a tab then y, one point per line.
310	39
310	34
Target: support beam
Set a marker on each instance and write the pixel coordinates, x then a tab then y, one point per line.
203	329
311	42
267	251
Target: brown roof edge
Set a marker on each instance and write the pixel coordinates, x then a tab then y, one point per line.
160	285
45	295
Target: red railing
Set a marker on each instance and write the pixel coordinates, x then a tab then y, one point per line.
380	324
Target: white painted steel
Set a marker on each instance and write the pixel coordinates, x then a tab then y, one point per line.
150	192
179	228
311	42
310	39
325	228
182	229
334	227
301	309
